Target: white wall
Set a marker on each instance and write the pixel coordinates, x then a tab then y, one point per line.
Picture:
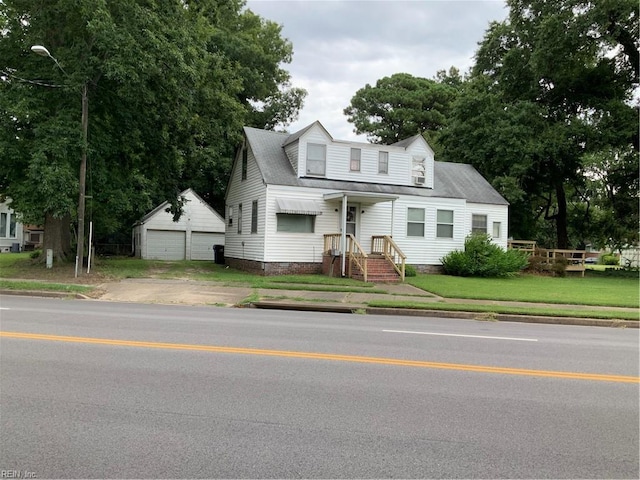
245	192
6	241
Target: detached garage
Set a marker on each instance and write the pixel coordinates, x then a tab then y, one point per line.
157	237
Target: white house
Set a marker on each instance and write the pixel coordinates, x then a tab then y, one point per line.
157	236
11	230
297	201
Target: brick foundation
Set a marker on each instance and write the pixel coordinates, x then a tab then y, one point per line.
274	268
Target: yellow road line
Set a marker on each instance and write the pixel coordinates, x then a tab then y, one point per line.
327	356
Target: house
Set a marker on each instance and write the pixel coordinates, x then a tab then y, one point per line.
192	237
305	202
11	229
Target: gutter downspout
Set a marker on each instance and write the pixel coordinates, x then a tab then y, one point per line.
393	209
343	240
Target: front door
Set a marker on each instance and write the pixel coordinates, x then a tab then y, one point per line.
352	220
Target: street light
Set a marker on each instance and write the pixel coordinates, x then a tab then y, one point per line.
42	51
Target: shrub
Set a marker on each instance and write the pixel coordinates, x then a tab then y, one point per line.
482	258
410	271
609	259
35	254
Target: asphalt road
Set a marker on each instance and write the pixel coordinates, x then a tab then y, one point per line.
94	389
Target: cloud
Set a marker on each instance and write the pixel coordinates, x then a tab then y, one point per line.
339	46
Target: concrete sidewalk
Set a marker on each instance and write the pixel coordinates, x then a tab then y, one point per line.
190	292
209	293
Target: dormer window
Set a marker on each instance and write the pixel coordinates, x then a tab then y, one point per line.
354	165
418	170
316	159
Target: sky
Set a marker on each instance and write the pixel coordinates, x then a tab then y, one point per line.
341	45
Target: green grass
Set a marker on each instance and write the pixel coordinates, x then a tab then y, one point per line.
46	286
10	263
541	311
599	291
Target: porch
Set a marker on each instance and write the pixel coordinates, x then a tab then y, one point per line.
385	262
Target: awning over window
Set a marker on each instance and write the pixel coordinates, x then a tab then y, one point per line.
296	206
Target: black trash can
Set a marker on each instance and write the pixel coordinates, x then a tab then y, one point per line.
15	248
218	254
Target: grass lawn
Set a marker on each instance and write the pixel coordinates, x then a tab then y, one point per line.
600	291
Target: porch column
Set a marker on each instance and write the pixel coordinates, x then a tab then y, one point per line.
343	240
393	209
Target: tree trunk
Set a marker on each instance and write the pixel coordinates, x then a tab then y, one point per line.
561	217
57	236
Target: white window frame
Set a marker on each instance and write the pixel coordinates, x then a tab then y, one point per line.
355	160
320	164
475	223
442	222
497	226
419	170
293	223
254	216
383	162
239	219
230	220
413	222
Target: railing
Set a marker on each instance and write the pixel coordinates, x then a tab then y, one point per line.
524	245
385	245
332	246
357	256
574	258
332	243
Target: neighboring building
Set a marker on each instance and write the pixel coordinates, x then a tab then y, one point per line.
11	231
33	237
297	200
192	237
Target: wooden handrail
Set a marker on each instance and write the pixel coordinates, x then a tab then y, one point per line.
357	255
385	245
524	245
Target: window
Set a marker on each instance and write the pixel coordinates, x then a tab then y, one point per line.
418	170
254	217
383	162
497	226
316	159
230	215
479	224
244	163
354	165
7	225
240	218
296	223
415	222
444	227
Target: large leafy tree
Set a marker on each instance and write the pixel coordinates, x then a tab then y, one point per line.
169	86
402	105
552	87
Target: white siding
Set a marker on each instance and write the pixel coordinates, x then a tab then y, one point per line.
7	241
338	154
292	154
298	247
494	213
245	192
197	217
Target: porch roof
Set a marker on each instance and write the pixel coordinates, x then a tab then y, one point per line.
365	198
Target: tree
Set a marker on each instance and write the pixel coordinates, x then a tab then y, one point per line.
402	106
170	85
528	121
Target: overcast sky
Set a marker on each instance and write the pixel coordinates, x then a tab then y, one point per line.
341	45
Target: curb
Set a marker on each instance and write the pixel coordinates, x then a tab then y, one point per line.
480	316
45	293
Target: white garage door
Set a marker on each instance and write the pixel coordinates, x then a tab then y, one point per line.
165	245
202	245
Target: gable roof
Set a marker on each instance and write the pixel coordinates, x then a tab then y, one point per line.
163	206
294	136
452	180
